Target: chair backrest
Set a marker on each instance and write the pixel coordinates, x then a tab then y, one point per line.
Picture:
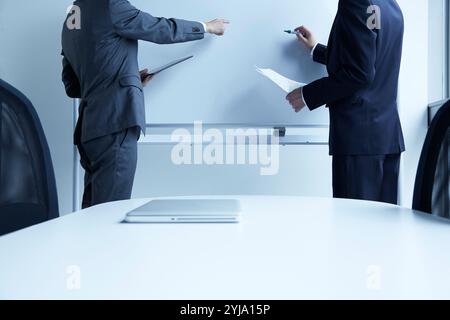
431	192
27	183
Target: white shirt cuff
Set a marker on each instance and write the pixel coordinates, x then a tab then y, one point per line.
313	49
304	102
204	26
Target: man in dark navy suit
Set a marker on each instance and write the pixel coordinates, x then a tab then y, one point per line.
100	66
363	60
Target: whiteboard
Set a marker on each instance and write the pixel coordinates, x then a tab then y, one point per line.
220	85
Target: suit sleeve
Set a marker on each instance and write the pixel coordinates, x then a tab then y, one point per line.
320	54
132	23
357	57
70	80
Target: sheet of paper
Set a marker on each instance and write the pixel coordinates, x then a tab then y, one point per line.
284	83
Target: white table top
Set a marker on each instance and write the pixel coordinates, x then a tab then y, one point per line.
285	248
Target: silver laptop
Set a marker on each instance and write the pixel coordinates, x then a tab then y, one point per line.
186	211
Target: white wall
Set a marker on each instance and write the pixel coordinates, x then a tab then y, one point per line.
30	35
413	92
436	47
29	59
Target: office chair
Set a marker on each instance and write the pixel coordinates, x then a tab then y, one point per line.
431	193
27	182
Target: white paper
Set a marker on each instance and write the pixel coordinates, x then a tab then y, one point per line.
284	83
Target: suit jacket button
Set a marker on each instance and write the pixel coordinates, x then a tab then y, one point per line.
195	29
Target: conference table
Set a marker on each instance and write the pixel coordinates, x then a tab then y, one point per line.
284	248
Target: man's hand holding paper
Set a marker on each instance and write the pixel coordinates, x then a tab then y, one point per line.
294	88
295	98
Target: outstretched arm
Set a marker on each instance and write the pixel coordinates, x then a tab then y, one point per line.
132	23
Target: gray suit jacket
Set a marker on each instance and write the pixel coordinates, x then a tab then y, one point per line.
100	63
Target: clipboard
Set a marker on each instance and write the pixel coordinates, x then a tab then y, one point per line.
168	66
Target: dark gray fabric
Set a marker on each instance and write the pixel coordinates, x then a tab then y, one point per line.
100	63
372	178
431	172
110	165
441	188
18	183
27	182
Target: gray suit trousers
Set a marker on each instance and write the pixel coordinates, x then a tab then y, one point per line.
110	165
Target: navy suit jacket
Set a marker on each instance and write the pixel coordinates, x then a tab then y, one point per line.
100	63
361	87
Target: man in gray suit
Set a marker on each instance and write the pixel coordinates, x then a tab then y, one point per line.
100	66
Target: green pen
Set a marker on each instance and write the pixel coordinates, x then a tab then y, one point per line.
294	32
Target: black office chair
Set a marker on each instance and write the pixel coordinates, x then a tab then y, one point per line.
27	182
431	192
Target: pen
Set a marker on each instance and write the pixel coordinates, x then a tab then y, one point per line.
294	32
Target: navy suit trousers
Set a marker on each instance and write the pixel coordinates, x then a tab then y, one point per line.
372	178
